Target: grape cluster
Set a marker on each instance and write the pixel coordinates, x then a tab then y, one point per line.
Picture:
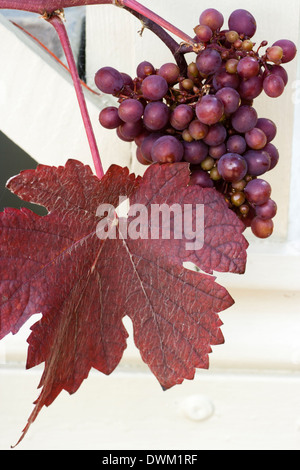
206	116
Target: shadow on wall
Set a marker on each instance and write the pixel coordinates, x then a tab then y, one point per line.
13	160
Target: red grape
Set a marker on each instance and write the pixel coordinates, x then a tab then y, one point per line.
167	149
109	80
243	22
262	228
212	18
232	167
210	109
258	191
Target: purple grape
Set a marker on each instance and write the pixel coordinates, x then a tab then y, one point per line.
268	127
208	61
195	152
224	79
201	178
251	88
203	33
232	167
289	49
212	18
131	110
273	86
147	144
141	137
145	69
217	151
109	118
209	110
181	117
244	119
140	158
262	228
154	87
278	70
167	149
127	80
156	116
274	154
248	67
109	80
267	210
236	144
130	130
198	130
242	22
230	99
258	191
258	162
256	139
170	72
216	135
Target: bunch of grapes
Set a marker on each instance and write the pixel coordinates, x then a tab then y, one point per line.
206	117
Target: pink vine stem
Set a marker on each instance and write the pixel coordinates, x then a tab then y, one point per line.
59	26
50	6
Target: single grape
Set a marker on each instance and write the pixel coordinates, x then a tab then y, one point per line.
275	54
147	144
109	80
212	18
208	61
140	158
170	72
130	130
167	149
230	99
277	70
109	118
267	210
268	127
214	174
195	152
203	33
248	67
193	71
209	109
201	178
223	79
154	87
131	110
187	136
256	139
238	199
236	144
258	161
216	135
251	88
145	69
289	49
181	117
156	115
273	86
127	80
244	119
243	22
208	164
232	36
198	130
141	137
262	228
274	154
217	151
231	66
239	185
232	167
258	191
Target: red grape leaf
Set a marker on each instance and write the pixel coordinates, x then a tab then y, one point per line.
83	286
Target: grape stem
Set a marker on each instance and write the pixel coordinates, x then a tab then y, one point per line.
50	6
56	21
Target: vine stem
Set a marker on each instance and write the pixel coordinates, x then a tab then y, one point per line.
50	6
59	26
